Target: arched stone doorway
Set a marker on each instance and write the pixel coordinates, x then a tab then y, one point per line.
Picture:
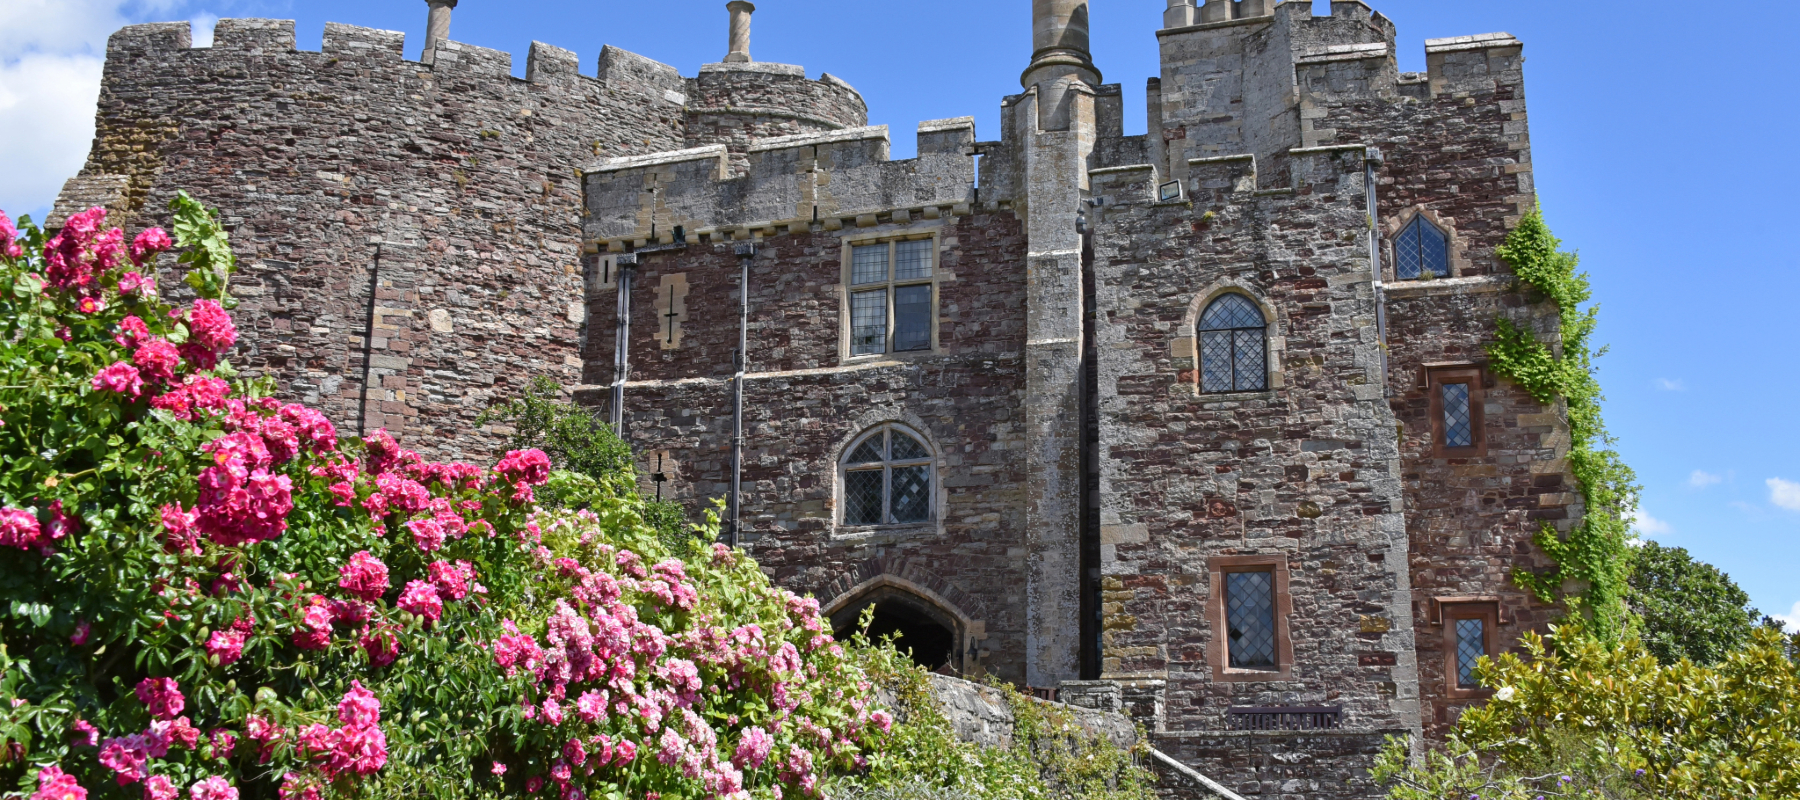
939	634
916	625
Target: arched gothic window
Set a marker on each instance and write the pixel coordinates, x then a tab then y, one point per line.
1420	249
887	478
1234	353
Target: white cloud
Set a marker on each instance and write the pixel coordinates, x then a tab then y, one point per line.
203	24
1790	619
46	125
1701	479
1784	493
1645	525
1668	385
50	62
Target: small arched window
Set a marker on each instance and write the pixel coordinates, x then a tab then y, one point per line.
1233	351
887	478
1422	250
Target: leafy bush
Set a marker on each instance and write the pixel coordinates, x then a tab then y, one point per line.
1579	718
206	591
578	441
1050	756
1687	608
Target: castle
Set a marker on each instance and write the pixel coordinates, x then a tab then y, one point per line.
1195	423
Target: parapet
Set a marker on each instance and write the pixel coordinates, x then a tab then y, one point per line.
828	179
739	103
1474	64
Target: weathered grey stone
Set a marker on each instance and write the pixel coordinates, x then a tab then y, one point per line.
420	240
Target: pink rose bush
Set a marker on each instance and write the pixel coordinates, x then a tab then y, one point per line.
295	612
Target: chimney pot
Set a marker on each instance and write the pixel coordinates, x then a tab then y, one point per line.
740	31
437	27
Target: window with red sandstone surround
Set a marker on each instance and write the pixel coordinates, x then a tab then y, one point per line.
1458	419
1248	606
1470	632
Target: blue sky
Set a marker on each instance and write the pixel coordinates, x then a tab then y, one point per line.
1664	136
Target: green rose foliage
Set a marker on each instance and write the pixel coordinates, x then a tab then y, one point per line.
205	593
1580	718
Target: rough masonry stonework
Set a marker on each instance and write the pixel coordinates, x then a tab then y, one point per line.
1265	544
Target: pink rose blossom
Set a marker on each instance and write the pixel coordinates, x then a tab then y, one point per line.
591	706
157	360
753	749
624	753
226	646
162	696
147	244
553	713
382	646
529	467
86	735
499	768
211	333
179	533
18	528
159	787
8	234
359	708
883	720
126	757
365	577
213	788
427	534
54	784
223	742
421	599
121	378
533	784
315	627
294	787
452	580
83	630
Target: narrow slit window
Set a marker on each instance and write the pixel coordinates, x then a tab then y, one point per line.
1421	251
1471	645
1459	422
1250	619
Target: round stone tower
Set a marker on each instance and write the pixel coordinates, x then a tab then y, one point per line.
739	100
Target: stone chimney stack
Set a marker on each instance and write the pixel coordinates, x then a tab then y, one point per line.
740	31
437	27
1059	38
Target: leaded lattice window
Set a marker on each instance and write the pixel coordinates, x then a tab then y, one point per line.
1250	619
1471	645
887	478
1422	250
1459	421
1234	352
892	296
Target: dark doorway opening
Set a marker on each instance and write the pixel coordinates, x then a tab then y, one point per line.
915	628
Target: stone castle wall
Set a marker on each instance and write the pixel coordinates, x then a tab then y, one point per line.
409	233
805	403
1301	472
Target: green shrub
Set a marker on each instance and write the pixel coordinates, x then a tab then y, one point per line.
206	592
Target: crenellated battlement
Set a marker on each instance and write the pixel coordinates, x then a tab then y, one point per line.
824	181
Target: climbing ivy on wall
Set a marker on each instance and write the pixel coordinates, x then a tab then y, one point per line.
1594	553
